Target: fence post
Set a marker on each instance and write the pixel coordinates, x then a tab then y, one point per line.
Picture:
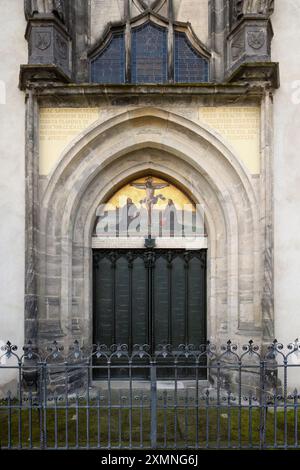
153	379
262	429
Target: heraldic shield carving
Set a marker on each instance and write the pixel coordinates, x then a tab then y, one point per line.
42	40
256	39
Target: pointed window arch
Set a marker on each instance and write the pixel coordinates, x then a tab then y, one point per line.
109	65
152	53
149	55
190	66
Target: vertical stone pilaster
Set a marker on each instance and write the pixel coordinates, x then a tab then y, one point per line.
31	219
217	34
80	33
267	215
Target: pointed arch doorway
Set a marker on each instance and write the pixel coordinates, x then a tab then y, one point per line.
149	268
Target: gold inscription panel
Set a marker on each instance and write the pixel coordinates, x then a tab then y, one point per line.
58	127
240	126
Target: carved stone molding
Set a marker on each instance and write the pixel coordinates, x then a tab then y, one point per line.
237	47
258	7
49	52
149	4
45	7
31	74
256	73
49	43
251	33
256	38
252	7
250	42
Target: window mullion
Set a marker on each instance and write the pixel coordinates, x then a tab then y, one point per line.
171	52
128	52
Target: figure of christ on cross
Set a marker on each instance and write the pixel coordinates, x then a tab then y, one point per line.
151	199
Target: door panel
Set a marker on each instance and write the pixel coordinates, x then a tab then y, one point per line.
161	301
196	296
179	312
122	301
139	305
149	297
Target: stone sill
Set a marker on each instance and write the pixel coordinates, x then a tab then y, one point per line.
203	89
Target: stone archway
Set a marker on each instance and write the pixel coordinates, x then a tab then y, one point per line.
199	162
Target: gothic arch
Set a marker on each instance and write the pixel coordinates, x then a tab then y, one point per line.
201	163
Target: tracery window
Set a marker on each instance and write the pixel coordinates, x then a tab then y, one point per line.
149	58
190	67
149	54
109	65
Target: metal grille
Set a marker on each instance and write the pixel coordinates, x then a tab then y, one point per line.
248	400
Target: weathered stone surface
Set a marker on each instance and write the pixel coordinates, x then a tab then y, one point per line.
44	7
50	329
249	41
252	7
98	162
48	43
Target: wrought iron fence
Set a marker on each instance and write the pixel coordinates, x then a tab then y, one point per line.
172	398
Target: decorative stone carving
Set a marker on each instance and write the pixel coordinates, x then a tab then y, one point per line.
256	39
49	44
42	40
237	9
258	7
49	47
252	7
45	7
249	41
149	4
237	47
61	47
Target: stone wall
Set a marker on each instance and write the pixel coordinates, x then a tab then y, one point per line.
13	51
193	11
287	170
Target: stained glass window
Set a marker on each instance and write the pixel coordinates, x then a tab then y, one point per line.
149	58
190	66
109	66
149	54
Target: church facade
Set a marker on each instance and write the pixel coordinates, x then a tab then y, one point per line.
161	104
